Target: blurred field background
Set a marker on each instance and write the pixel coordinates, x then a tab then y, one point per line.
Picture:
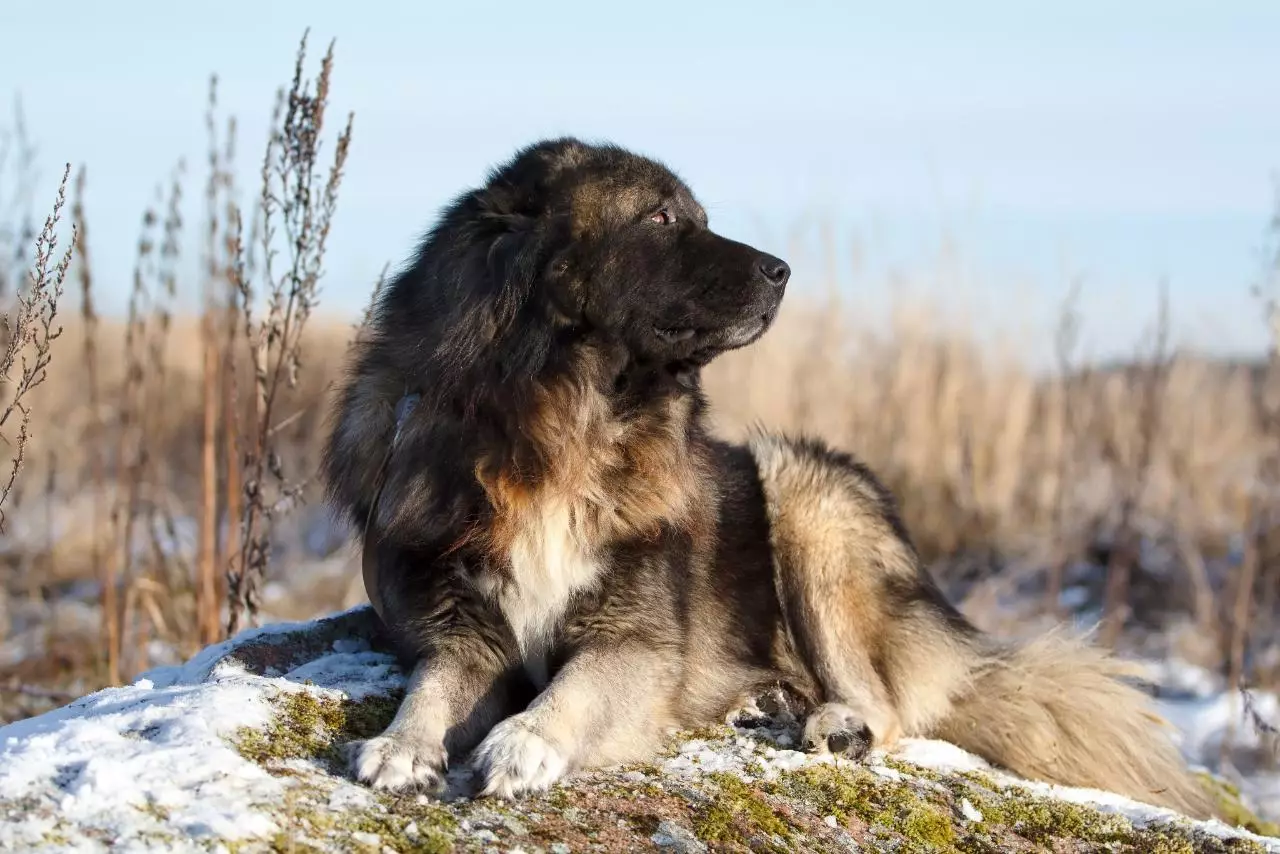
1140	493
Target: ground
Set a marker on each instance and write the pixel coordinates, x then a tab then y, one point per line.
242	749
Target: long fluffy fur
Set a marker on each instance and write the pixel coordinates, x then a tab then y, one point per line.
1057	709
572	561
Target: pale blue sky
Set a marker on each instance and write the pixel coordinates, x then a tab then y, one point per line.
1124	141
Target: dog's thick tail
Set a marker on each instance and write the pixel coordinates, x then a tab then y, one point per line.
1056	709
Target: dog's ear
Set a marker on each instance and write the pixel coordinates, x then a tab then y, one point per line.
518	255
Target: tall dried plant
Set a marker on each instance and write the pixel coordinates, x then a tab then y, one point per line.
1133	464
1261	511
164	577
17	222
129	459
230	360
29	332
1063	435
94	437
297	207
217	363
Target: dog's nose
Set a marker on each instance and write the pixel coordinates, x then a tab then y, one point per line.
774	270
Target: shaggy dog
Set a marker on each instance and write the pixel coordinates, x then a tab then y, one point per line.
575	565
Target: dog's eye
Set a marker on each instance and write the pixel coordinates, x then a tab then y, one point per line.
663	217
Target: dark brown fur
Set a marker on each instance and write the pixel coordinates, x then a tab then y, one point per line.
576	565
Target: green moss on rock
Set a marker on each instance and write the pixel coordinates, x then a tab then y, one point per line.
901	808
736	813
929	827
309	726
307	823
853	792
1043	819
1234	812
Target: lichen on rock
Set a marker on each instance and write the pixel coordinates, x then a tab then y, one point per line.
244	750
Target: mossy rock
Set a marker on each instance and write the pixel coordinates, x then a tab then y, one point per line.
826	806
278	779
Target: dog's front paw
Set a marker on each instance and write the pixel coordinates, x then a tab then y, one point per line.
514	759
836	728
398	763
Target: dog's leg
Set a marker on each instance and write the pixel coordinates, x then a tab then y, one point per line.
461	686
858	712
832	550
450	702
606	705
887	649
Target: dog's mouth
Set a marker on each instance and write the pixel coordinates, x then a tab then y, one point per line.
674	335
698	345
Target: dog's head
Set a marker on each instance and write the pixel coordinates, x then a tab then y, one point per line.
559	314
591	242
626	252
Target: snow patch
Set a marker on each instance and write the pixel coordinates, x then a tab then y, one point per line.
154	760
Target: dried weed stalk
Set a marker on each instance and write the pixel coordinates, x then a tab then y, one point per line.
1133	466
94	437
1066	340
217	334
1262	502
29	332
163	585
297	207
130	459
17	222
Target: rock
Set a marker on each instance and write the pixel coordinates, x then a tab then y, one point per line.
672	837
242	749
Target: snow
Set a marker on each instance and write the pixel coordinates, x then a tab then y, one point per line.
110	758
970	812
134	763
125	763
1204	723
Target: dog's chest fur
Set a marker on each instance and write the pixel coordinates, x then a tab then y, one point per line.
550	563
604	481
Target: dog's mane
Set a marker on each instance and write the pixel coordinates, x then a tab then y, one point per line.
517	407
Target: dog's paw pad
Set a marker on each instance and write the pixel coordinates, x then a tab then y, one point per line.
398	764
836	728
513	759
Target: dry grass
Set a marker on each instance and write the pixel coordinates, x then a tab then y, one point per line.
984	453
166	448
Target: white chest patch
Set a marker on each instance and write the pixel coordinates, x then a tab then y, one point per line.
549	564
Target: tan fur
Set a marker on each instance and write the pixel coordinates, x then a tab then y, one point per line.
1054	709
449	704
603	480
827	531
602	708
